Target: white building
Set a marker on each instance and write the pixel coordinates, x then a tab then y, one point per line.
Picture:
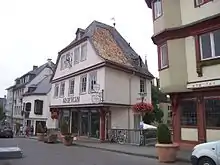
36	101
98	55
23	85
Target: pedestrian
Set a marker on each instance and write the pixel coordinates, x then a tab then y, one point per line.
27	131
32	130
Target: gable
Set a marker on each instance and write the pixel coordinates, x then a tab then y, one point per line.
66	66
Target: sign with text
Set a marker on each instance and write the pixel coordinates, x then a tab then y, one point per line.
71	99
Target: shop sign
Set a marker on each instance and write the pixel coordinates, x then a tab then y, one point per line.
204	84
71	99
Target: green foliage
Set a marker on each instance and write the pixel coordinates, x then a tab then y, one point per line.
68	137
64	128
157	114
163	134
2	115
40	128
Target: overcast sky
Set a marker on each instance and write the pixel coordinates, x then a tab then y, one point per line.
31	31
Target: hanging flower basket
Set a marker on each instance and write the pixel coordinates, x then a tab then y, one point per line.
142	107
54	114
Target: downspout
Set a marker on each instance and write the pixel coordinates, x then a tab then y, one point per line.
130	77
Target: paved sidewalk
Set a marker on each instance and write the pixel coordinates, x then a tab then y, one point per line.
145	151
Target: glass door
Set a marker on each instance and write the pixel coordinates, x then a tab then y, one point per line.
75	122
84	123
95	122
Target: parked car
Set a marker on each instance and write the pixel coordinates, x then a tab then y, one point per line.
6	132
206	154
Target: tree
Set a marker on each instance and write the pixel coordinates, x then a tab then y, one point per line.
157	114
2	115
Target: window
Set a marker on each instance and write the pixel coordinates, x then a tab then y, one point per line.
63	58
212	113
83	52
83	82
201	2
163	56
188	114
92	80
209	45
142	85
28	107
62	89
68	60
38	107
56	90
157	8
71	86
76	56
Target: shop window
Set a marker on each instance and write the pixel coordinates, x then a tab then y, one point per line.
188	114
212	112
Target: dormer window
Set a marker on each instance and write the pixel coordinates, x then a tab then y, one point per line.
79	33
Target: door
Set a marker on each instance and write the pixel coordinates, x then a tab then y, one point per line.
84	123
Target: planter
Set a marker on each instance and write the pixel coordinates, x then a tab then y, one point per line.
52	138
167	152
68	141
40	136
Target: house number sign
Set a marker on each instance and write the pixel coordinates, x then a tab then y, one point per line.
71	99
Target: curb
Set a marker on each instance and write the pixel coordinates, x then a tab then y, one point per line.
124	152
129	153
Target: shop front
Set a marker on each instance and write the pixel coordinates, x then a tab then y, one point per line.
86	122
196	117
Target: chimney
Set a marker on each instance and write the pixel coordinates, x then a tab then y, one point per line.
49	60
35	67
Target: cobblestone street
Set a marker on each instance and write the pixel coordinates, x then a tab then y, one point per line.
36	153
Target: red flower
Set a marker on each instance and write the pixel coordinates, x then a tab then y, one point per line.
142	107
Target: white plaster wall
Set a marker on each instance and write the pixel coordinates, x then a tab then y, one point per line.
92	59
122	118
190	134
84	98
117	87
212	135
195	14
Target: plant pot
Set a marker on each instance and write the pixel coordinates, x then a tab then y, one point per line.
167	152
52	138
40	136
67	142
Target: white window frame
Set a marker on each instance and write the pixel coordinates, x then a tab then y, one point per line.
62	62
144	85
157	9
76	56
56	94
213	55
162	66
92	80
62	89
71	91
202	2
81	84
83	54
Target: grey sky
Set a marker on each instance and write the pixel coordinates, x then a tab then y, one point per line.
31	31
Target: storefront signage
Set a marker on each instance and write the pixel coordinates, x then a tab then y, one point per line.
71	99
203	84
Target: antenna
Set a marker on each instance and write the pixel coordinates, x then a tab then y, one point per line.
113	19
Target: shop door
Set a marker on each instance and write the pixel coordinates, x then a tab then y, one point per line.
84	124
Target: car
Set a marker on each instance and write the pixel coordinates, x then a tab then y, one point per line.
6	132
206	154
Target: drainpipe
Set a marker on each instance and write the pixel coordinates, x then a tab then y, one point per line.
130	77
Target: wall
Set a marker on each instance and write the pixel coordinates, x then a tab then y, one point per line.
174	78
91	60
84	98
190	134
117	87
194	14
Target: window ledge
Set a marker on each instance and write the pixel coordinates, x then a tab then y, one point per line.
82	93
163	68
196	6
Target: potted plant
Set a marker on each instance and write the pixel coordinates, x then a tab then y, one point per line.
166	149
67	137
40	132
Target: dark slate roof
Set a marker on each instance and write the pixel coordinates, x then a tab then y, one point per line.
111	46
148	2
34	72
42	88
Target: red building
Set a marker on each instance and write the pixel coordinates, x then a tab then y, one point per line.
187	34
